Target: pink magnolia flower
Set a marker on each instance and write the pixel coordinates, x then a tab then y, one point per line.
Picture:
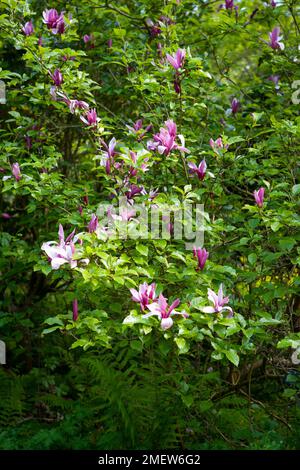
219	301
125	214
134	190
89	39
165	141
235	106
62	252
145	295
216	144
200	170
201	254
57	77
136	127
76	104
75	310
54	21
90	118
28	28
15	168
163	311
275	39
86	38
259	196
107	157
138	130
93	224
177	59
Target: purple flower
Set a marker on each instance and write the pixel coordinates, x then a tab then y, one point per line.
229	4
75	310
107	157
235	106
259	196
217	144
134	190
275	80
76	104
166	20
155	31
93	224
200	170
219	301
62	252
275	39
90	118
165	141
109	43
201	254
138	130
15	168
137	126
145	295
6	216
50	18
28	29
273	4
54	21
57	77
164	311
177	59
89	39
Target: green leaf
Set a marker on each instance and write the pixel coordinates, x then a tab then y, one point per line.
142	249
252	258
182	345
232	356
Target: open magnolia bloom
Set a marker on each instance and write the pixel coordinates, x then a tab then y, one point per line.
219	301
144	295
177	59
165	141
62	252
163	311
275	39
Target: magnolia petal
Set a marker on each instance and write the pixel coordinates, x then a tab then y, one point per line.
230	311
166	323
172	61
56	263
135	295
147	315
208	310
